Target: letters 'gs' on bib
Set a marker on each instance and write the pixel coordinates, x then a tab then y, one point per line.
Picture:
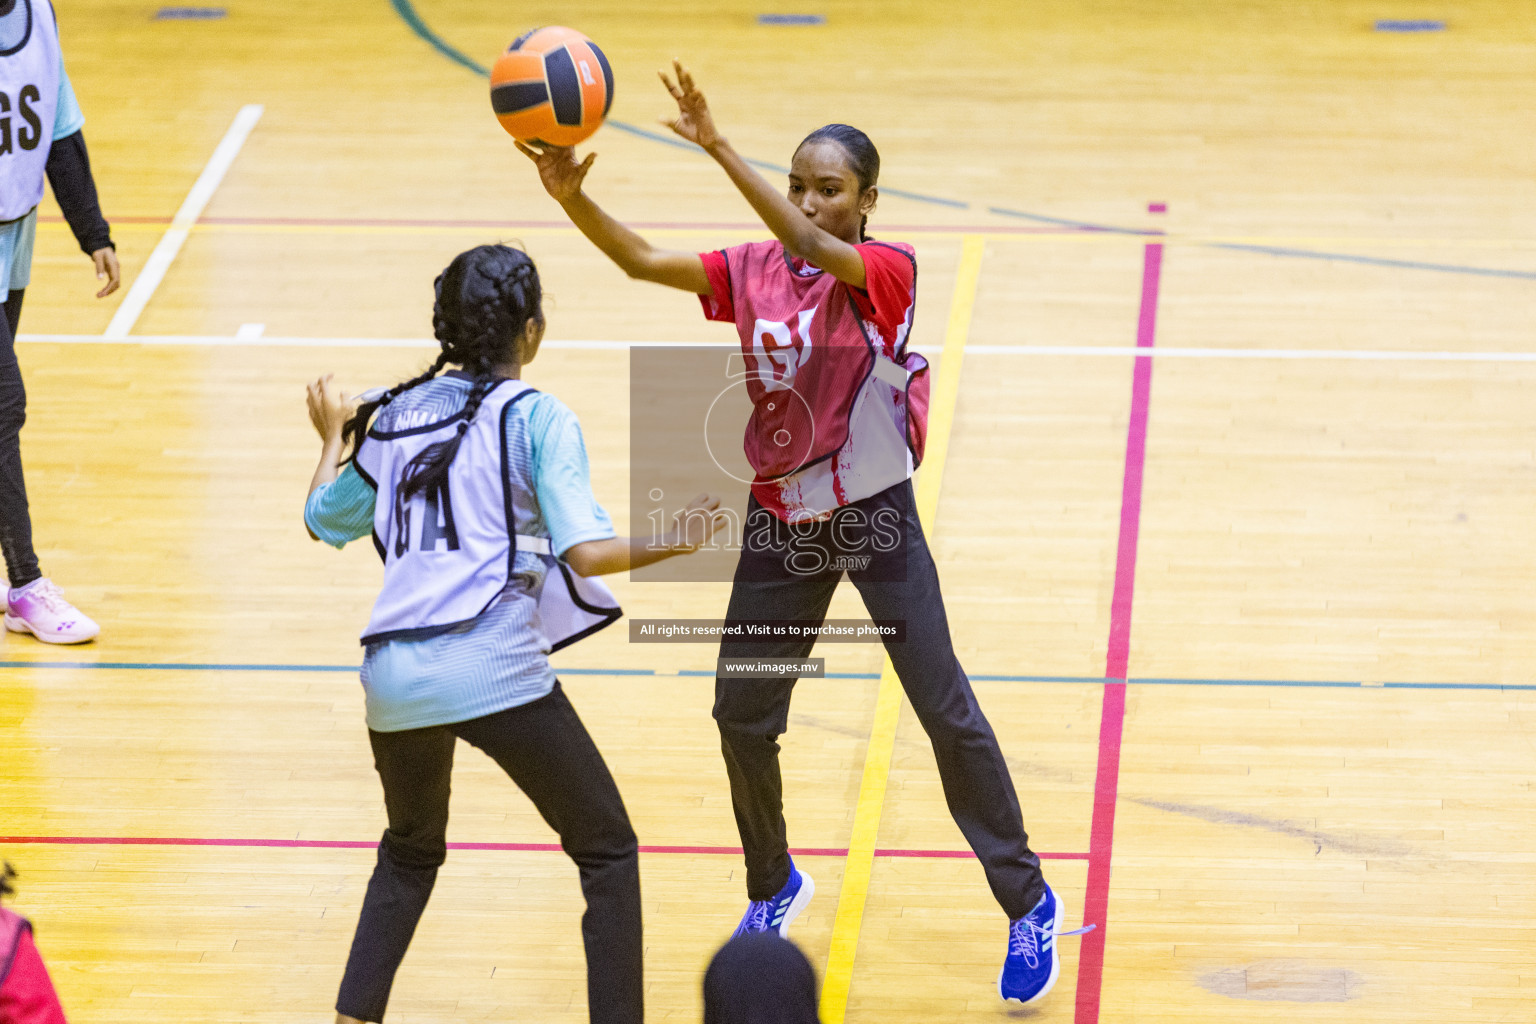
29	92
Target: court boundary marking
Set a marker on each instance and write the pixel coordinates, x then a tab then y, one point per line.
853	892
1052	229
663	674
408	14
1106	787
164	254
1085	351
373	844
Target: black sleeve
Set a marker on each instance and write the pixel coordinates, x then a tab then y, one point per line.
69	172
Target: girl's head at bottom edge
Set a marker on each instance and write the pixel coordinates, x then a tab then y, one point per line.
760	978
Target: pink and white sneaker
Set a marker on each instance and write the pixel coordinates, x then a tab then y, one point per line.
39	608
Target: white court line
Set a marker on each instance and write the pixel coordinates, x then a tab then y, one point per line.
1124	352
181	225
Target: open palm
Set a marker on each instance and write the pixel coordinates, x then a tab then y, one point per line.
693	121
558	168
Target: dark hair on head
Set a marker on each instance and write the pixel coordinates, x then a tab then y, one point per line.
863	157
747	969
6	874
484	301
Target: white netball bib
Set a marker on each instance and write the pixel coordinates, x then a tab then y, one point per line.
29	93
449	553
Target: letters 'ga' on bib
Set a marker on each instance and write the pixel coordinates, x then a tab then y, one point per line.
449	553
29	94
807	355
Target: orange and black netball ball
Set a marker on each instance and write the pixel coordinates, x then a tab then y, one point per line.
553	85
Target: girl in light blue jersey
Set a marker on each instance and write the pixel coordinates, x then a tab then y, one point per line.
475	489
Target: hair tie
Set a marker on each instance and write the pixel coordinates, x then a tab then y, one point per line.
464	427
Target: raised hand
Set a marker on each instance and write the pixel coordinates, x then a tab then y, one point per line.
693	121
329	408
558	170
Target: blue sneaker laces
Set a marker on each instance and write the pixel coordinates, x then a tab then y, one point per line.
1026	939
759	913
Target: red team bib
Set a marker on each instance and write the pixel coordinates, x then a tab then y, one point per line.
839	407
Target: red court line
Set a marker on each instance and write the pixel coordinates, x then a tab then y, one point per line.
387	222
1090	964
360	844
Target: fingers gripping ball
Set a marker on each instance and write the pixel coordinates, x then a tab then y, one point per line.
553	85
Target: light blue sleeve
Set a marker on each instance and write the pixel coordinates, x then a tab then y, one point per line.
561	479
67	116
341	510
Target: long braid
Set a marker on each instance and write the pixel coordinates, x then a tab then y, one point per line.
487	298
356	428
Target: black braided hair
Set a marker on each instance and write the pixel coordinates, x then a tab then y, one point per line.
353	431
863	157
487	299
6	874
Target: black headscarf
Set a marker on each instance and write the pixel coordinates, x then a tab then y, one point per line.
760	979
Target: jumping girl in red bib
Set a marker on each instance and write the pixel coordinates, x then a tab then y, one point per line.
837	429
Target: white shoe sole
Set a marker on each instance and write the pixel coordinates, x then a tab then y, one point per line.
800	902
1050	983
18	625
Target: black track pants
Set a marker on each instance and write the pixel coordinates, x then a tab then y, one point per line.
899	583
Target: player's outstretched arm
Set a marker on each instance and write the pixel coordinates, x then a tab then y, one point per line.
790	226
695	525
562	177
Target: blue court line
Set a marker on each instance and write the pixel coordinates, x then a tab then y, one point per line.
1084	225
179	666
1411	25
1276	250
184	666
1453	686
408	14
1444	268
902	193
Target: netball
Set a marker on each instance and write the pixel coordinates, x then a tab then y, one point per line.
552	85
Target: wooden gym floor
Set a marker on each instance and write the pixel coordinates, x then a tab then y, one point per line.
1301	530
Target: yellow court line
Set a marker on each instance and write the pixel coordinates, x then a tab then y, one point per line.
882	736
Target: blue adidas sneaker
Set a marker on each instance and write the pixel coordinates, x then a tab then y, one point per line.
775	915
1033	962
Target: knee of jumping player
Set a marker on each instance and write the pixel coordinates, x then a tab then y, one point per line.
604	841
747	741
415	851
956	727
744	713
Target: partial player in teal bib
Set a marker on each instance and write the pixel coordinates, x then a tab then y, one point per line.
40	137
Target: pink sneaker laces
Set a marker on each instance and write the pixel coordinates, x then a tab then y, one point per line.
51	597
